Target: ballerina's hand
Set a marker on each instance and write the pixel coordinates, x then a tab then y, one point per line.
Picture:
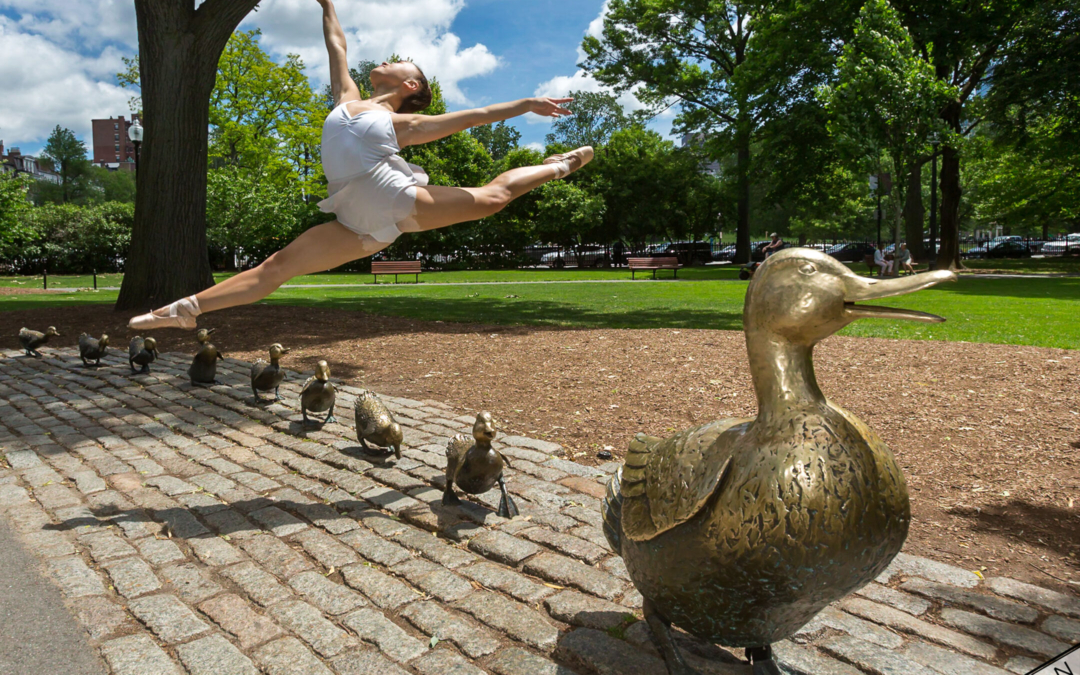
550	107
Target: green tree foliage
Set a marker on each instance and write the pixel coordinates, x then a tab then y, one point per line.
14	206
68	156
249	215
597	115
498	139
72	239
886	101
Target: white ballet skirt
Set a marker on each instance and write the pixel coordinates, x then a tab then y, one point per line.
372	189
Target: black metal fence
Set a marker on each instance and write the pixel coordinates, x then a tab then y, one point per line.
716	252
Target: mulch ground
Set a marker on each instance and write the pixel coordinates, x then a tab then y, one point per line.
988	435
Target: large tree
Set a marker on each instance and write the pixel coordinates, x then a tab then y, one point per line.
597	115
700	53
180	45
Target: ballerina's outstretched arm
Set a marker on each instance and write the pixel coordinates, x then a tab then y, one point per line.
420	129
341	82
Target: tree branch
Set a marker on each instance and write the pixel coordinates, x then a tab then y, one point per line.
215	21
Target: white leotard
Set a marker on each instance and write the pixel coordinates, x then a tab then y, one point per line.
372	189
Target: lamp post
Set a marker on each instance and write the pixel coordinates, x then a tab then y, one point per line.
135	133
935	140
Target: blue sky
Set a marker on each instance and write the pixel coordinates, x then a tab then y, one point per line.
58	58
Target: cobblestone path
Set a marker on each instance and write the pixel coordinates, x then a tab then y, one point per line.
193	532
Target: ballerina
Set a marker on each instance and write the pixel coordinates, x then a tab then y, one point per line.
375	194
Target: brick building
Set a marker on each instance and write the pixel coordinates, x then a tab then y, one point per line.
112	147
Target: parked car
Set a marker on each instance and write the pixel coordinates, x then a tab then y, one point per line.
851	252
688	253
1070	244
586	256
726	254
536	253
1001	249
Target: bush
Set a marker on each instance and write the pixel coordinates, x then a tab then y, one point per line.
71	239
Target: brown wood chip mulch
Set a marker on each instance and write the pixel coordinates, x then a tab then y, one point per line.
988	435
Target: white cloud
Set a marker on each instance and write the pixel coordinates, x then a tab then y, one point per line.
47	85
417	29
538	147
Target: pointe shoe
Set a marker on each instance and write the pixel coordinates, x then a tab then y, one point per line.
568	163
181	314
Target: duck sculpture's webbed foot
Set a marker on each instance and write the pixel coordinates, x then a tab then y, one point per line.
763	662
450	498
507	507
665	641
277	393
330	419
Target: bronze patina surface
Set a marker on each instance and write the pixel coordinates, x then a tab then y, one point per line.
142	351
32	339
319	394
740	531
376	424
203	368
475	467
92	349
268	376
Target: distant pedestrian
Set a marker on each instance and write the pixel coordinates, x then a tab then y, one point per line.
904	261
879	260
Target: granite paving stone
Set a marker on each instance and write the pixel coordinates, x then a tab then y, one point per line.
190	582
275	555
132	577
168	617
1052	600
904	622
519	621
106	546
903	601
991	605
326	549
331	597
578	609
257	583
1004	633
365	662
502	547
159	552
1060	627
873	658
277	521
567	544
445	662
603	654
799	660
1022	665
238	617
515	661
382	589
289	656
375	548
102	617
310	624
948	662
76	580
372	626
508	581
568	572
214	655
473	640
138	655
215	551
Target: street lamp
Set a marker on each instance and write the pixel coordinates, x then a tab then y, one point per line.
135	133
935	140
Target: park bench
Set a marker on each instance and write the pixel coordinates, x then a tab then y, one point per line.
637	264
873	268
396	267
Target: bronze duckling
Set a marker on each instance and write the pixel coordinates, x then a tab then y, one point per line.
32	339
142	351
268	376
319	394
476	467
92	349
741	530
375	423
203	368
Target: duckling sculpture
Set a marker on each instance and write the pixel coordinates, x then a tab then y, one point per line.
92	349
476	467
203	368
741	530
142	351
268	376
376	424
318	394
32	339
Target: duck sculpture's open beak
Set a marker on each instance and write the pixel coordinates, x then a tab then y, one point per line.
860	289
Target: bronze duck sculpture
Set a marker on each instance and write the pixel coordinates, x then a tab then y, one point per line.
32	339
92	349
203	368
319	394
375	423
142	351
741	530
476	467
268	376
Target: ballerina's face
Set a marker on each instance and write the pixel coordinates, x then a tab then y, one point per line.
393	75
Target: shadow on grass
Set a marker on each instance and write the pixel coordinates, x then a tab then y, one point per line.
528	312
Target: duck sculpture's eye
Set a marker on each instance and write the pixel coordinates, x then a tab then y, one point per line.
807	269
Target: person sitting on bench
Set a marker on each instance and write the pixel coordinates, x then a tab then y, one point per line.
880	261
904	261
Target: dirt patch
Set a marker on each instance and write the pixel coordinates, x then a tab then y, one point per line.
987	435
16	290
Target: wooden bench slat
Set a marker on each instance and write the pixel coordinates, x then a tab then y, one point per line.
396	267
658	263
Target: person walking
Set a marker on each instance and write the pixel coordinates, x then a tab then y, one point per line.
375	194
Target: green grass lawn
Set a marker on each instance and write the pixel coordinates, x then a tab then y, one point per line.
1040	312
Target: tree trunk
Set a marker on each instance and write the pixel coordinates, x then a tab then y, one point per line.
949	253
179	49
914	212
742	232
